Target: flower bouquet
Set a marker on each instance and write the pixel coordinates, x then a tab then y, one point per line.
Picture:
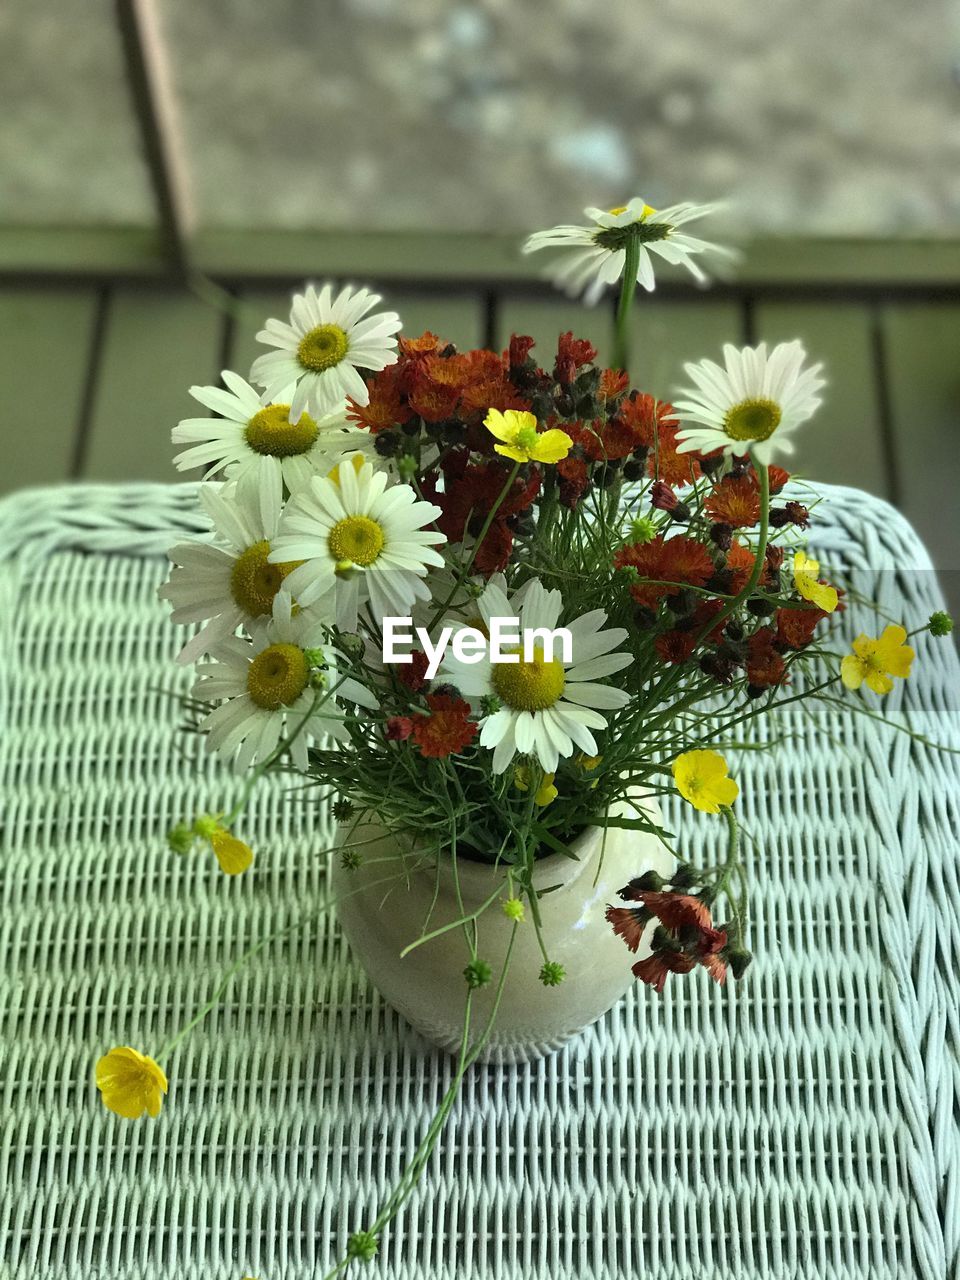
490	606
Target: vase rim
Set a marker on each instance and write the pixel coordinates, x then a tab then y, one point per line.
475	876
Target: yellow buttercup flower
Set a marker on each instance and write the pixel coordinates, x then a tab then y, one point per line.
233	855
805	574
130	1083
589	764
875	661
546	793
701	778
521	440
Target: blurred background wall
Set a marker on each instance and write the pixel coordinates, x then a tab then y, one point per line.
170	169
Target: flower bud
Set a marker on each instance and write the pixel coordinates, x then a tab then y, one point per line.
721	535
478	974
649	882
760	608
351	643
663	497
180	838
739	960
386	443
520	347
940	624
565	370
398	728
362	1245
684	876
642	529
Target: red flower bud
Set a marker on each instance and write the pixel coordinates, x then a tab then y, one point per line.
399	728
565	370
520	347
663	498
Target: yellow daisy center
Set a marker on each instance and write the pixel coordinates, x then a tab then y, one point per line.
271	432
254	581
755	419
615	212
529	686
356	540
277	676
322	347
527	438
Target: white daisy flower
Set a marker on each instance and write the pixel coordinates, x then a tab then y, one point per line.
360	540
750	406
547	707
601	249
319	352
229	581
254	436
266	686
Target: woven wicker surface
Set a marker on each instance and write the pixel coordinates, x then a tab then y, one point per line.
803	1123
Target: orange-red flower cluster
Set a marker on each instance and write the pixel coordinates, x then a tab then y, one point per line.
686	938
447	729
435	391
765	665
735	501
654	424
678	644
434	381
672	563
470	491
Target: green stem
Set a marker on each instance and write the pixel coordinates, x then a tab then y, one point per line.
422	1154
667	683
454	924
235	968
465	567
628	286
763	473
733	867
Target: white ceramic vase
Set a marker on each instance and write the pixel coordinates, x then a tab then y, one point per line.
427	986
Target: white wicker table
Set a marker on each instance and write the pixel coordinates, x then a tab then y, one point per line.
803	1123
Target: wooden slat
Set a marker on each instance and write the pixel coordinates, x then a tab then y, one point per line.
45	343
842	443
922	347
800	263
157	344
459	320
383	255
545	321
664	334
254	309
